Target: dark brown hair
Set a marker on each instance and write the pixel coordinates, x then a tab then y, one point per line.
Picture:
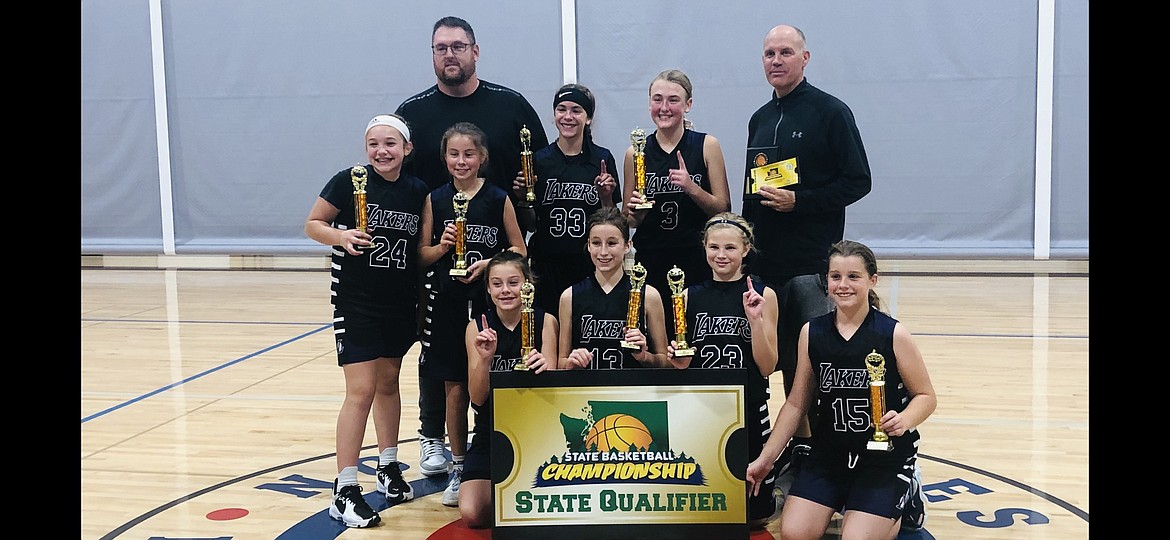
849	248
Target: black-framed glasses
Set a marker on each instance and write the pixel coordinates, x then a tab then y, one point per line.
458	48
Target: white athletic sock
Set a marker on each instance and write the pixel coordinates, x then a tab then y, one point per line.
389	455
347	476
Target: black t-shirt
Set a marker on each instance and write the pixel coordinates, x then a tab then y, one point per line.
676	221
566	196
485	236
718	330
508	344
384	276
599	323
499	111
842	421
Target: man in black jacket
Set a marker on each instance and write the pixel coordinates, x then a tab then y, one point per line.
805	164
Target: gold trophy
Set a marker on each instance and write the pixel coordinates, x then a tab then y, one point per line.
527	325
526	164
637	278
675	278
358	176
460	202
638	139
875	364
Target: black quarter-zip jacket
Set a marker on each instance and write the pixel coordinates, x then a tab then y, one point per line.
820	131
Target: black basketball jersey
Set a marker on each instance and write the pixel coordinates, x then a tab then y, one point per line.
718	330
566	195
484	233
675	222
599	323
508	344
842	419
384	276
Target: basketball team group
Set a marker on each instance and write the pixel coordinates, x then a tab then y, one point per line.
471	234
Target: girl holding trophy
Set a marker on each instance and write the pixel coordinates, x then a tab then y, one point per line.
864	465
373	304
495	342
684	182
594	312
464	223
572	177
730	323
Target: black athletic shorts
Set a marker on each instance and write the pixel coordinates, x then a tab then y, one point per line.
863	481
477	463
360	338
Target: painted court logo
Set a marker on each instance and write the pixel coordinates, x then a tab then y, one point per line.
611	461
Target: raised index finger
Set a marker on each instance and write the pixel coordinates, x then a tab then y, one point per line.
603	166
681	164
483	317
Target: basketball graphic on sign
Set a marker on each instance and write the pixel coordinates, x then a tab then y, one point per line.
618	432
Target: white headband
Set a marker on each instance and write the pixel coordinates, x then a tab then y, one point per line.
392	121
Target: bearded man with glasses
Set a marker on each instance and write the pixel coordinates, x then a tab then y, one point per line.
459	95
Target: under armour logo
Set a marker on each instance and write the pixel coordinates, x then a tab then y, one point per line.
797	134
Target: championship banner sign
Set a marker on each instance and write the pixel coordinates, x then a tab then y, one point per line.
619	453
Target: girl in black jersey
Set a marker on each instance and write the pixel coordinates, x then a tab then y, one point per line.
870	488
686	178
593	311
731	324
491	228
493	342
574	177
373	273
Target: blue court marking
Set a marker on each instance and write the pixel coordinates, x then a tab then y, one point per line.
1020	485
318	523
208	372
330	325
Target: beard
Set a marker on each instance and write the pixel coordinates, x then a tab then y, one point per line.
460	77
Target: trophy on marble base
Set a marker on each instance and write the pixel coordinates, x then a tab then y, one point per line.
527	167
527	325
638	139
634	309
460	202
358	176
875	365
675	278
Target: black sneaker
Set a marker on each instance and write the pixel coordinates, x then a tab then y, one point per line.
391	484
350	507
914	512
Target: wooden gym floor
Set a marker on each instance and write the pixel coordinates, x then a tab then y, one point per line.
210	390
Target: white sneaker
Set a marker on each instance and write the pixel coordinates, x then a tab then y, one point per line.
454	479
432	459
349	507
